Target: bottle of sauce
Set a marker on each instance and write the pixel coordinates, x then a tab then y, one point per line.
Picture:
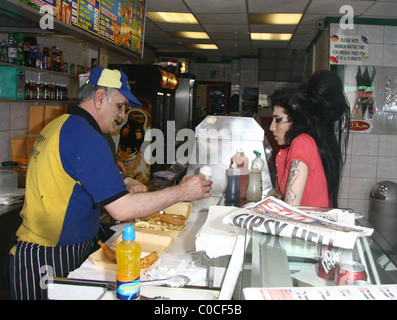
242	163
254	189
128	254
232	193
206	171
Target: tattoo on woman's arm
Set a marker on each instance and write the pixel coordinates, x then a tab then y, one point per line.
294	172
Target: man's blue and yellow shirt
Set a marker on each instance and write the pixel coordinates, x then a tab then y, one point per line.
71	174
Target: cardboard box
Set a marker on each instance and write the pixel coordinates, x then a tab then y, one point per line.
39	117
21	147
12	83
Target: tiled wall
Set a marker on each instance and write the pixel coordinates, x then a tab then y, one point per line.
371	158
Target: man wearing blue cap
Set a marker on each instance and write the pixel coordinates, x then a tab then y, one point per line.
71	175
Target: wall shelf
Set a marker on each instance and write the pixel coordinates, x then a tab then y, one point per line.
39	70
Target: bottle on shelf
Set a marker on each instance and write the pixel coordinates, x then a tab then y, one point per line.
128	253
20	41
27	90
34	56
45	59
12	48
41	91
54	58
60	61
47	95
65	92
58	94
3	51
26	51
32	90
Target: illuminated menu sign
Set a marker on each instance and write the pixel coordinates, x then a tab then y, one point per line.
120	22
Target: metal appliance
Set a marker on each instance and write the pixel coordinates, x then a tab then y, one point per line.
184	98
218	138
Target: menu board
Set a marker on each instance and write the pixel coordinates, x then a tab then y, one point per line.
120	22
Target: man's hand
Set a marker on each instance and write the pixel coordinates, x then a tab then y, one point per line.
195	187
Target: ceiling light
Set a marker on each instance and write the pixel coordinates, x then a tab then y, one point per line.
201	46
188	34
275	18
271	36
171	17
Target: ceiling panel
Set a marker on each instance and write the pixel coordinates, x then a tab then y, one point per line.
216	6
226	22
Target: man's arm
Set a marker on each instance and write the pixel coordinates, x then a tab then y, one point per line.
136	205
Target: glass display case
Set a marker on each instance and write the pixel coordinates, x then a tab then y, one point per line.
274	262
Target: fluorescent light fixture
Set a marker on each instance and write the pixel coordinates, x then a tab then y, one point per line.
271	36
275	18
189	34
201	46
172	17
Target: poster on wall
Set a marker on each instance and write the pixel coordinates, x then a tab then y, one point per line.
348	49
121	22
130	139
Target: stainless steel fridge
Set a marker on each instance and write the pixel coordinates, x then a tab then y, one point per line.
184	103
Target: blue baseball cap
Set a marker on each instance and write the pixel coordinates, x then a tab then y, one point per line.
113	79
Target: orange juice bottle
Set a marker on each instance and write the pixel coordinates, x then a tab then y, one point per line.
128	254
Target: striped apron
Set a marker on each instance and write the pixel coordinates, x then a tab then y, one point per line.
33	263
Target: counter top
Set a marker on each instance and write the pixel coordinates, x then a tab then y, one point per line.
180	258
258	260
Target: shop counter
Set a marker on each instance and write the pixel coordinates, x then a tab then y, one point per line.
288	264
256	260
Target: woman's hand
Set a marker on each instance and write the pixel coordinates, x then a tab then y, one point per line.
274	193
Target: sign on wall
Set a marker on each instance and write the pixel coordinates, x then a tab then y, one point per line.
348	49
120	22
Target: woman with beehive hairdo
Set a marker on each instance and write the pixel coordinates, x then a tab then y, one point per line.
330	112
310	159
